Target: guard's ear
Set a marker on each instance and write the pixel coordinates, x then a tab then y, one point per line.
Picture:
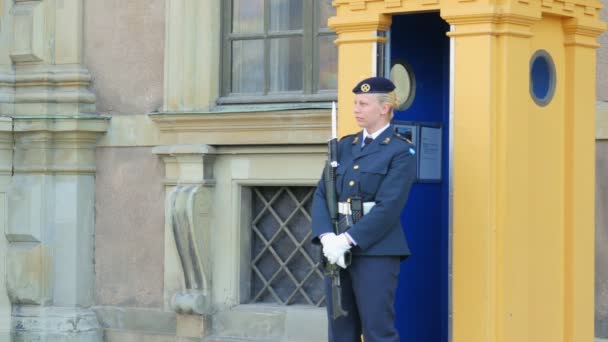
385	109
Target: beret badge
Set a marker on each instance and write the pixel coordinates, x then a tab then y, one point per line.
365	87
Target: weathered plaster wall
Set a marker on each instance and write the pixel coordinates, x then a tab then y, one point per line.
124	51
129	227
602	60
601	255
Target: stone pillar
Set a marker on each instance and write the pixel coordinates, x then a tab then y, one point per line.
6	168
46	51
191	55
50	202
189	196
50	196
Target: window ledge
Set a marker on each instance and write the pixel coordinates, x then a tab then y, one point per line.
244	125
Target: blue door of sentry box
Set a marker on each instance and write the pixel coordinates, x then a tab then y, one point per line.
419	41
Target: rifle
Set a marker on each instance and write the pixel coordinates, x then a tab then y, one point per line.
332	271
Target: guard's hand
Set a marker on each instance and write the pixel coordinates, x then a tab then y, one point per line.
334	247
341	262
326	238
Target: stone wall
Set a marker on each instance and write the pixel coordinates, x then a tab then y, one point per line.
124	51
602	60
129	228
601	224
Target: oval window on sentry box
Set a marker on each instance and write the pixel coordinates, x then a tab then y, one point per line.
403	77
542	78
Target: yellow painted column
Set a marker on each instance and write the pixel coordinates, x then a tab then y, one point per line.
510	130
357	42
580	178
491	220
474	240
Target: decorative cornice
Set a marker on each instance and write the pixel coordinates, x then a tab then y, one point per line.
187	164
57	144
76	123
229	122
360	23
264	127
66	78
50	86
497	17
582	35
497	24
566	8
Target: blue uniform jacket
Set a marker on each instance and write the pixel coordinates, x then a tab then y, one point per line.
382	172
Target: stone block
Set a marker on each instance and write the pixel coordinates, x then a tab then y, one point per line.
55	324
131	336
28	32
148	321
26	204
304	324
29	274
192	326
256	321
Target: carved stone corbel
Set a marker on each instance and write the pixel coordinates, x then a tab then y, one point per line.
190	187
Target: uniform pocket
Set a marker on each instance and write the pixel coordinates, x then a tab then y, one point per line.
371	177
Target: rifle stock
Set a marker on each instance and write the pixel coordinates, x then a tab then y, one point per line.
332	270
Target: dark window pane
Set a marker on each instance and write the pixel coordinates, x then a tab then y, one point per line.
286	64
248	66
248	16
280	50
328	63
284	262
326	10
285	15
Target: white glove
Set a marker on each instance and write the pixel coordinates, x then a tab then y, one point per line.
334	247
327	240
341	261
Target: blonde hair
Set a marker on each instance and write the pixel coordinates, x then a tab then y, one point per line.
390	99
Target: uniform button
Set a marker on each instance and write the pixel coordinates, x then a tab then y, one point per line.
348	200
351	183
356	167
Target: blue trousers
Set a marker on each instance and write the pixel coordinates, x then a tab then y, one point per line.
368	294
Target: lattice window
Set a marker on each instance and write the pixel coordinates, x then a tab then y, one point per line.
285	264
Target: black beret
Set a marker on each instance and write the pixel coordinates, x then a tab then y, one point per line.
374	85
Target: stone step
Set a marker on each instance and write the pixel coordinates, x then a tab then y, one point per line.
235	339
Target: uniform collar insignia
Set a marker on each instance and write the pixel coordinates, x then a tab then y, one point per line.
386	140
356	139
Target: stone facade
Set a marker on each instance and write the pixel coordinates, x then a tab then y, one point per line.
601	238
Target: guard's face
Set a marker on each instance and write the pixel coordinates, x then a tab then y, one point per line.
369	113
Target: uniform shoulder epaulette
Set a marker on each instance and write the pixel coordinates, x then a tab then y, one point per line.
349	136
403	138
